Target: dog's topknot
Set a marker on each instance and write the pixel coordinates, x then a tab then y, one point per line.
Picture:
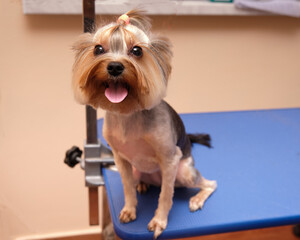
138	18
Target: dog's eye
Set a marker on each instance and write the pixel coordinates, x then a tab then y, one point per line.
137	51
98	50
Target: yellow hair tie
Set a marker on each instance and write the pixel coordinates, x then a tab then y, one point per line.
123	18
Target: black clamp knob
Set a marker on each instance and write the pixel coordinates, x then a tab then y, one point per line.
73	156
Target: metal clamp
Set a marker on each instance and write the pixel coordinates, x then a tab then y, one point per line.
96	156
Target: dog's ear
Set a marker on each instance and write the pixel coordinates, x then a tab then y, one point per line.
83	48
162	48
83	42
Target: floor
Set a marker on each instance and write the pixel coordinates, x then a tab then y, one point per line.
275	233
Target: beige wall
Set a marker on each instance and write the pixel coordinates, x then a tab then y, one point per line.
220	64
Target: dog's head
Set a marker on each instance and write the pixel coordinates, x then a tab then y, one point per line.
121	67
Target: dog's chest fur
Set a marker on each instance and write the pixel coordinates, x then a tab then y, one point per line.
132	137
138	152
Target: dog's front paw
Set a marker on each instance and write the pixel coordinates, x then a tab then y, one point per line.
127	214
157	226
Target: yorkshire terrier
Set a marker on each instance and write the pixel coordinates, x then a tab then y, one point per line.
124	69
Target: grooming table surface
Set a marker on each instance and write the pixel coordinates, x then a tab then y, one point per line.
256	161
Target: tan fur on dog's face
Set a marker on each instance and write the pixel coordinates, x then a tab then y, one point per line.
145	77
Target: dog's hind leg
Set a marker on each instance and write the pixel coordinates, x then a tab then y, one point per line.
189	176
207	188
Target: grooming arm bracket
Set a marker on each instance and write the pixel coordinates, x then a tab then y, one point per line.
96	156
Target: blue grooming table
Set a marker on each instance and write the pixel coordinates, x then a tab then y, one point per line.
255	159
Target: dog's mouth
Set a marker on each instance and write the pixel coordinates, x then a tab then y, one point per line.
116	92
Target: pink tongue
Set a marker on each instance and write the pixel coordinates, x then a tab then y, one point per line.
116	93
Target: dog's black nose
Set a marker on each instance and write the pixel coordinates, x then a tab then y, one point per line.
115	68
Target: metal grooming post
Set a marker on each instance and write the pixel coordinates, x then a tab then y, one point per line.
96	156
91	118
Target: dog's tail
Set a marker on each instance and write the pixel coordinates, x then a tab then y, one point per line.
200	138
